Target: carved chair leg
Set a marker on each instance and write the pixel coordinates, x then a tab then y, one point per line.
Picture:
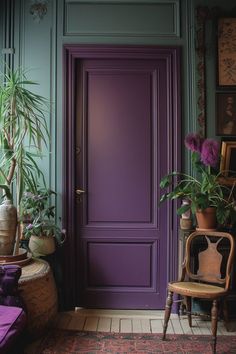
189	309
226	314
182	307
169	302
214	319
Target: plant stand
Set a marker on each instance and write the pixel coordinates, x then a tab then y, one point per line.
38	290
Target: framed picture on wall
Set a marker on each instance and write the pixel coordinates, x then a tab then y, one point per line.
228	161
227	51
226	114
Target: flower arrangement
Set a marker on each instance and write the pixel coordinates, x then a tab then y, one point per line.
203	189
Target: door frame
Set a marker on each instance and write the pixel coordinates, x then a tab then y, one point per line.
71	54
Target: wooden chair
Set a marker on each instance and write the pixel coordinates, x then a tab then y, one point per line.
205	275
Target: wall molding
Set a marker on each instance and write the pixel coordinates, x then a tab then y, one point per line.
119	18
8	49
38	9
202	14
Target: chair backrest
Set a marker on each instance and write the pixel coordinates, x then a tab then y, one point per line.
209	257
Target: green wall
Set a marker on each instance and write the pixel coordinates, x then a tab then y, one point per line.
38	46
217	8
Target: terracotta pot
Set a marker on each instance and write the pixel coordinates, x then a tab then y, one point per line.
206	219
41	245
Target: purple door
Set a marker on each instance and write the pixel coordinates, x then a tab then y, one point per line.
124	110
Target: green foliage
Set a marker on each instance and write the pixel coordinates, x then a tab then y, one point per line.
6	189
40	214
23	133
202	192
23	130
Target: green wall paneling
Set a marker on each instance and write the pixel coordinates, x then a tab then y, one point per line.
35	48
216	8
7	33
1	34
122	18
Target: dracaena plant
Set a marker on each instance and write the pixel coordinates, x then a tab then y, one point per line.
23	130
202	189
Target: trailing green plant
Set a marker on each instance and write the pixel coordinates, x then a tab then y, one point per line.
203	189
23	129
40	214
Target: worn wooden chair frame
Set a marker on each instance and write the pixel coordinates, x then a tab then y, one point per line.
207	283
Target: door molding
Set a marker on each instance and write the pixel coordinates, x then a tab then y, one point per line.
73	53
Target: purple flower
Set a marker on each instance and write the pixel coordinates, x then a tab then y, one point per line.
30	226
193	142
210	152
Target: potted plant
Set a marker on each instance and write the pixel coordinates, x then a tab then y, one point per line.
41	229
203	190
23	128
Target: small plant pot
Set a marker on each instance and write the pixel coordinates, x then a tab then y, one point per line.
41	245
206	219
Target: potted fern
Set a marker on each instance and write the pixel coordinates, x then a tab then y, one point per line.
23	131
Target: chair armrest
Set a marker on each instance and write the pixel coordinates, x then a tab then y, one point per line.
9	277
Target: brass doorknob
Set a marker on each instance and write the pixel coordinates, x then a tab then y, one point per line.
79	191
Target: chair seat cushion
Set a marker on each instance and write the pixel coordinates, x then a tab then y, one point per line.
194	289
12	323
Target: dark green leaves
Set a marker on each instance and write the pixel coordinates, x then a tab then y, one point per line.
167	180
23	132
7	191
183	209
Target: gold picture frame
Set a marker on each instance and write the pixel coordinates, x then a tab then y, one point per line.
227	51
228	162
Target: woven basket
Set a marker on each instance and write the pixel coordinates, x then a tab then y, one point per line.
38	290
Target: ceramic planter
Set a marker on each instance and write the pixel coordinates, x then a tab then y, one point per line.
41	245
8	225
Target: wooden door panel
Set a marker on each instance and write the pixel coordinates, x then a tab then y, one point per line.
121	127
120	234
119	144
118	257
